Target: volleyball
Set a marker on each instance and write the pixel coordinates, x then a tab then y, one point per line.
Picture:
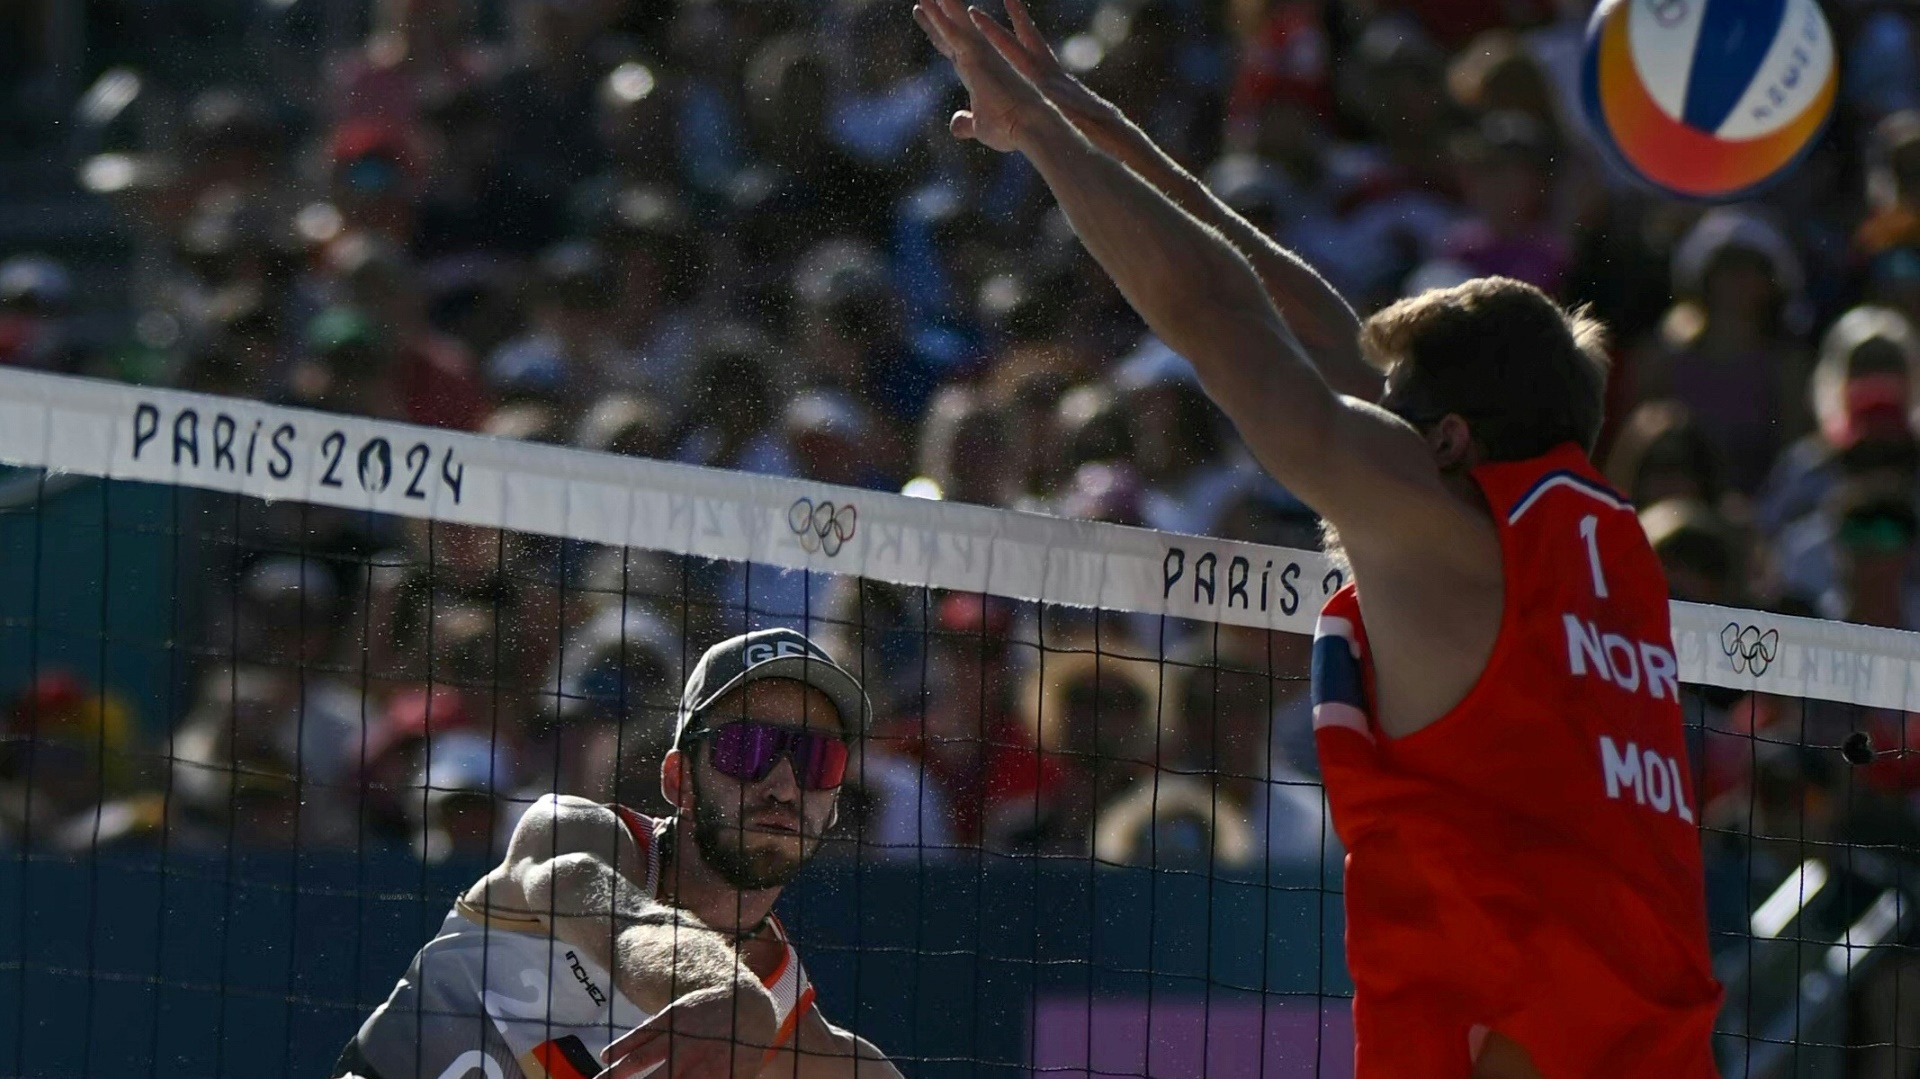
1708	99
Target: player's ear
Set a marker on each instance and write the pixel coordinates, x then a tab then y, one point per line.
1452	443
673	780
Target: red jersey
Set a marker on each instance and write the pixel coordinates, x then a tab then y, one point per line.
1530	862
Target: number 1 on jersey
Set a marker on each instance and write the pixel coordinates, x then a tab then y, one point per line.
1589	531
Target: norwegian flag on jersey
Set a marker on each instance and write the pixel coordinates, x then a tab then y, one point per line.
1339	682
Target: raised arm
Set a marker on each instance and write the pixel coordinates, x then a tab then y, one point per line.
1369	473
572	864
1319	316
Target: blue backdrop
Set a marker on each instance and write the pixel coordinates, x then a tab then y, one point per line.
146	962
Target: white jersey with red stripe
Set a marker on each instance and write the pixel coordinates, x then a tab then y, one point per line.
496	996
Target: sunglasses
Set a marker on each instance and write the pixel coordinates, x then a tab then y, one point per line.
747	751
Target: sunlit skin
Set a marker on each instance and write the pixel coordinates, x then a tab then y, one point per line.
748	838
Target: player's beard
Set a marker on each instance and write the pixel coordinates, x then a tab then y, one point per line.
722	844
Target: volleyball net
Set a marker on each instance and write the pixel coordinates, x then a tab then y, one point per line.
278	683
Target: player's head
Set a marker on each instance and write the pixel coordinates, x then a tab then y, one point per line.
762	744
1490	370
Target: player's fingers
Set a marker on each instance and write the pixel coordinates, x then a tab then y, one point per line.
1026	31
960	28
634	1039
1005	44
649	1061
928	14
961	125
940	16
640	1061
925	23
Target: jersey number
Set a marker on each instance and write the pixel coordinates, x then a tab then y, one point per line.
1589	531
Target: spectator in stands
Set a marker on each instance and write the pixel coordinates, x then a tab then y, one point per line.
1105	719
1089	426
1001	792
67	749
569	357
1506	169
346	367
1877	530
626	424
375	176
888	809
289	618
1495	73
830	437
829	193
1229	757
606	715
35	294
967	450
459	815
1104	491
1729	350
416	51
732	403
1865	393
396	750
1854	562
477	204
1699	550
634	116
434	375
1661	453
1175	820
546	94
852	333
658	266
239	774
1882	43
1893	186
1177	440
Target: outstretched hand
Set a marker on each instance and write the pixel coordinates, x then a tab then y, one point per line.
1036	59
993	64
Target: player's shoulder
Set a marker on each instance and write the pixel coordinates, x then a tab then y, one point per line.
566	823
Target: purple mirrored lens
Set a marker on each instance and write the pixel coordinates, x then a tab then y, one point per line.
747	751
819	760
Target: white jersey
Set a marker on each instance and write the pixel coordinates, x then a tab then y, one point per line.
499	997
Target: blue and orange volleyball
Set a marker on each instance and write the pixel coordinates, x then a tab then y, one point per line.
1709	99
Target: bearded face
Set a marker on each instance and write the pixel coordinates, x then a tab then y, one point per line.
759	834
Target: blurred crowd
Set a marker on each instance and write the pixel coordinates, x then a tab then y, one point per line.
736	233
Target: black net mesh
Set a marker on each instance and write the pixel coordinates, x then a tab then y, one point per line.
255	750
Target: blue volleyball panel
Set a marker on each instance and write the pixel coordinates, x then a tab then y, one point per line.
1735	37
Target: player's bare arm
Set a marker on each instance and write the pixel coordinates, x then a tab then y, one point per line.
1421	544
1317	314
572	864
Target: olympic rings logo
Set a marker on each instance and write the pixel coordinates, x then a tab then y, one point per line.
822	526
1751	651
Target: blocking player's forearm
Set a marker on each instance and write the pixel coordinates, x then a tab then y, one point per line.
1317	313
655	953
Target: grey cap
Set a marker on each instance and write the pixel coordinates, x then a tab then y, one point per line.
770	653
